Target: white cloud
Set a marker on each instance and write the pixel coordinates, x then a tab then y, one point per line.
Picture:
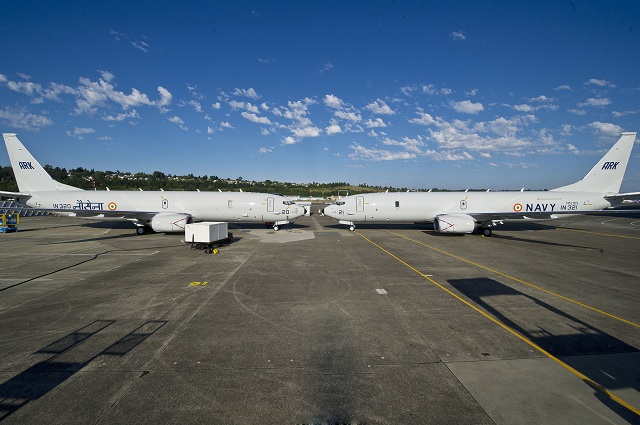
408	90
349	116
195	104
524	108
619	114
254	118
496	135
606	129
24	87
407	143
377	123
333	129
307	131
432	90
596	101
21	118
141	45
467	107
265	150
327	66
177	120
380	107
236	105
332	101
599	83
458	36
528	108
133	114
371	154
78	133
250	92
96	94
423	119
165	97
566	129
541	98
136	43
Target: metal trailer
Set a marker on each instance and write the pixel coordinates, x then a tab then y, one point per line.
206	234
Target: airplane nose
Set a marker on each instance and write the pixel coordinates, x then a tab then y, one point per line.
297	211
329	211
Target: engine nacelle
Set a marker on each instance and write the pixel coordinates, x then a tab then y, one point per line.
170	222
454	223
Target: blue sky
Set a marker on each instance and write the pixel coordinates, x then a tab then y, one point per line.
447	94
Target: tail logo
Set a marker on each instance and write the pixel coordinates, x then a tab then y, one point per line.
610	165
25	165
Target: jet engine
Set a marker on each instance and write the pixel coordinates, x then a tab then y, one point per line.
170	222
454	223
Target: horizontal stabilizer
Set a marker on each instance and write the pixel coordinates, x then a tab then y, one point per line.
619	198
14	194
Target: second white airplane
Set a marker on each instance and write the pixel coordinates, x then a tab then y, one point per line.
160	211
477	212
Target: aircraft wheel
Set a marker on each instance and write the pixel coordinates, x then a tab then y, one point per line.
276	227
140	230
352	228
486	232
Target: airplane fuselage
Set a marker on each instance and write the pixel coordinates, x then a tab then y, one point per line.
201	206
426	206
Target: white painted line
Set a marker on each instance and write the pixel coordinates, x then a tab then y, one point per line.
381	291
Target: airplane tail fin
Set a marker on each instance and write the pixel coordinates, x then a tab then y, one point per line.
606	176
30	175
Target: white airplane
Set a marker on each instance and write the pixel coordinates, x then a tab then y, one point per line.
477	212
160	211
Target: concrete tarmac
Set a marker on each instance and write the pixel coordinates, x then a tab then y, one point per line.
314	324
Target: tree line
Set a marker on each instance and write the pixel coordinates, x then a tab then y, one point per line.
117	180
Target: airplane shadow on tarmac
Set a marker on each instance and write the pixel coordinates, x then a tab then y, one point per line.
46	375
578	338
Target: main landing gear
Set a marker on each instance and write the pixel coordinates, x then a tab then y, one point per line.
351	225
485	231
276	225
141	230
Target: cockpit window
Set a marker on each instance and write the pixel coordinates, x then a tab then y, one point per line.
338	203
288	202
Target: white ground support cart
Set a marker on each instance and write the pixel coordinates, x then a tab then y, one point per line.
206	235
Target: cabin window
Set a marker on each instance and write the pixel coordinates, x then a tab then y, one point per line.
397	204
230	204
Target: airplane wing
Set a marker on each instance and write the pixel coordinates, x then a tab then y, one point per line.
498	217
142	216
502	216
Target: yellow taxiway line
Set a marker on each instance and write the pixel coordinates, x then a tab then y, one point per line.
577	373
519	281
